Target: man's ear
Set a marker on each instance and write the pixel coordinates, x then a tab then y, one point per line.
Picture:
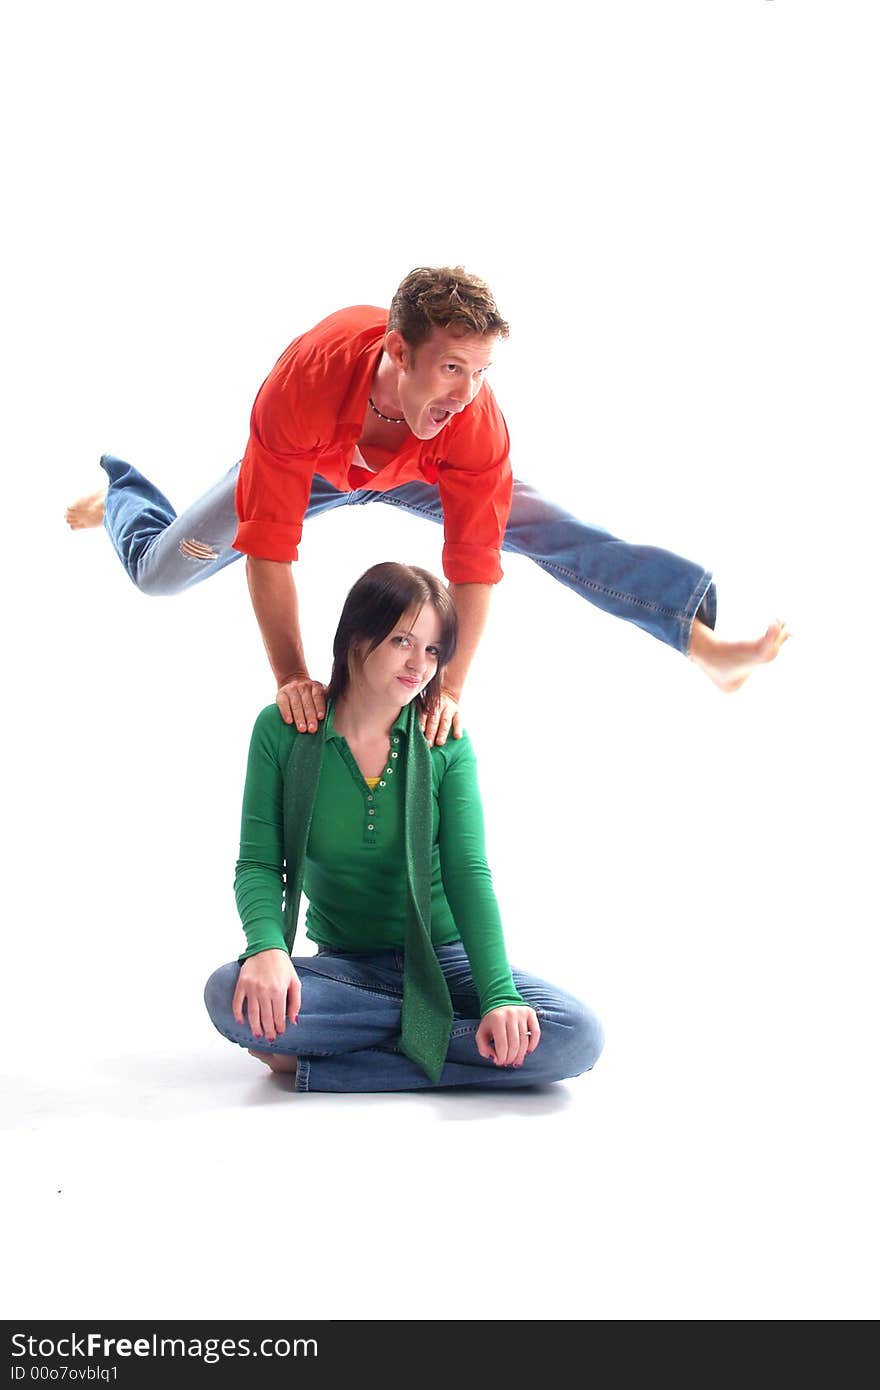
398	349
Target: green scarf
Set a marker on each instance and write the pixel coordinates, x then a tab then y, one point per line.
426	1016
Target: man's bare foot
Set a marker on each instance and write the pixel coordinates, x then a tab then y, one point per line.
87	511
729	664
276	1061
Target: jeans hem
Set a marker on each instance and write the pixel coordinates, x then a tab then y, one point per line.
703	596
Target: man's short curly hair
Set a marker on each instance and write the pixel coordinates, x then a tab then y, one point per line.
444	297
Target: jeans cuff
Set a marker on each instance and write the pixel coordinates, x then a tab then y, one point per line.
702	605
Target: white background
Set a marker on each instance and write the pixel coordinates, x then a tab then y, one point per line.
675	207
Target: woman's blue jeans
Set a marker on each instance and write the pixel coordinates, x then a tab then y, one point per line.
655	589
349	1021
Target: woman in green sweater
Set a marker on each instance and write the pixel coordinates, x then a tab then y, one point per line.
410	986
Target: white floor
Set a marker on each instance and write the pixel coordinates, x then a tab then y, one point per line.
693	864
672	209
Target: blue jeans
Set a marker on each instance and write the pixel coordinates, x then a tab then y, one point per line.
349	1021
655	589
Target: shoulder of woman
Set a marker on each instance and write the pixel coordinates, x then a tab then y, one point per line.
454	750
270	728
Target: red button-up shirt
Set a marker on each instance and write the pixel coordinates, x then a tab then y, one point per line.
307	419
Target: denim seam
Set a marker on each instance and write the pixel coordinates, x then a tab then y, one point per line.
684	617
601	589
380	990
408	506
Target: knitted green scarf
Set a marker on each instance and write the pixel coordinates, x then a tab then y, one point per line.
426	1015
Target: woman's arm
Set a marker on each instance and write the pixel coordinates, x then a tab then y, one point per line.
259	872
267	979
509	1027
467	880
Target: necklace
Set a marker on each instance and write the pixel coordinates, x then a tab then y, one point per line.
389	419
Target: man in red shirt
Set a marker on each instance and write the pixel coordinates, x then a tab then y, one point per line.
369	406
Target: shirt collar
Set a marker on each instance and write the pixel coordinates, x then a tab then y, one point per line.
354	407
398	727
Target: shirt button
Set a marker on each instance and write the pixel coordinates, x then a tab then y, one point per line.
370	797
381	784
394	755
371	827
395	740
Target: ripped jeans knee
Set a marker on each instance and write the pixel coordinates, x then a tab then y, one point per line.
197	550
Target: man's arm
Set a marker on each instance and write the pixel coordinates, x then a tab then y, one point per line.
472	604
274	597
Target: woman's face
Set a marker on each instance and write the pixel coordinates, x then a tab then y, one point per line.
403	664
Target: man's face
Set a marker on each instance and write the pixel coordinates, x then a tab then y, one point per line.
439	378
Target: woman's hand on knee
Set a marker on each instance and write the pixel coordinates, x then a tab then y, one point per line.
506	1035
272	989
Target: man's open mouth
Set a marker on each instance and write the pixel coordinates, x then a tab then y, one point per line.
439	415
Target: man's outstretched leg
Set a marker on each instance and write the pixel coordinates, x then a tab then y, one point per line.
664	594
163	553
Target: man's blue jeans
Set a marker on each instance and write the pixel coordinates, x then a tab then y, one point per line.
349	1020
655	589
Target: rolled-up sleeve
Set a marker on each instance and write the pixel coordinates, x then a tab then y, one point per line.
475	511
274	482
476	487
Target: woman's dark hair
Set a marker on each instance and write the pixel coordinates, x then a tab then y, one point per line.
375	604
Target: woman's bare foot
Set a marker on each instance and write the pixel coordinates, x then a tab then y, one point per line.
87	511
276	1061
729	664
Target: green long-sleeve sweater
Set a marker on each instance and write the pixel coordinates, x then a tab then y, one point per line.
355	874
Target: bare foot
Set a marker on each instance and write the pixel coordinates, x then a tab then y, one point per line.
87	511
729	664
276	1061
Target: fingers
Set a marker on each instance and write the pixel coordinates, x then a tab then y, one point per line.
279	1012
294	998
443	724
261	1013
483	1039
303	703
305	716
253	1016
271	986
445	717
319	700
528	1036
237	1000
266	1013
429	728
507	1035
282	700
510	1044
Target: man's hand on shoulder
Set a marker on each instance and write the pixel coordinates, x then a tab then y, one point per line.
445	717
302	702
